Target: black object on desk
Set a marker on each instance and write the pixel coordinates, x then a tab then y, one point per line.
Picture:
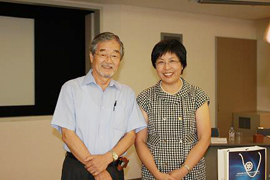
265	132
214	132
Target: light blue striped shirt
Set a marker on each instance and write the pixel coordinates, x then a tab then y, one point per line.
99	118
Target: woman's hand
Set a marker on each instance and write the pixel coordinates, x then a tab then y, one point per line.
164	176
178	174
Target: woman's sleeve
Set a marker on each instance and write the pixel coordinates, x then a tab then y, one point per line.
201	98
143	100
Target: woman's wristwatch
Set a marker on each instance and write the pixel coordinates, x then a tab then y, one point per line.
187	167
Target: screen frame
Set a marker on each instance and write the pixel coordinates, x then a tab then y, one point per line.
49	76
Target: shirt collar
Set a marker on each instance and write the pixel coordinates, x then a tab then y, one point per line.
184	91
89	79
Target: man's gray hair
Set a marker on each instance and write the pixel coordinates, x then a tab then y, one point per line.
106	36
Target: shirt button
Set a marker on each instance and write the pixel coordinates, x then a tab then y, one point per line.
165	164
102	107
165	119
180	118
101	137
180	141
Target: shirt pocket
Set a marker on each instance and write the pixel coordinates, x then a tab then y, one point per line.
153	140
192	138
120	119
153	143
191	120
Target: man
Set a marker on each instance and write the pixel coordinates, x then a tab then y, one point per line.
97	116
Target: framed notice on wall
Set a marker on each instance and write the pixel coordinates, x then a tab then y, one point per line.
178	37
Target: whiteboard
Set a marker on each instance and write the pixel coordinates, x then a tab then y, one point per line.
17	83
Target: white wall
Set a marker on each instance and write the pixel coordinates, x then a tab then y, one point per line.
30	144
263	67
140	28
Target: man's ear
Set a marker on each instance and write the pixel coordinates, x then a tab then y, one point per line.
91	57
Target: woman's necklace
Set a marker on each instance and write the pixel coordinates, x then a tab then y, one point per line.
174	92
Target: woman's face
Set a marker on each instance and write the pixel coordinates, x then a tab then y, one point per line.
169	68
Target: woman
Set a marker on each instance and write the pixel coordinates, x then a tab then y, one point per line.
177	113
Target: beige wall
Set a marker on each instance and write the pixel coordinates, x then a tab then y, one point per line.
263	67
140	28
31	149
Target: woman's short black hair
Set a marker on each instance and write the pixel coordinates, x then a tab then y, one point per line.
169	46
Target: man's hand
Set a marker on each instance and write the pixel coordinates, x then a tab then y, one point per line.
98	163
104	175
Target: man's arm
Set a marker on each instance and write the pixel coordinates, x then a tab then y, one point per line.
98	163
80	151
124	144
76	146
104	175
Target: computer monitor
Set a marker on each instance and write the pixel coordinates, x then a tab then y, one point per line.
248	122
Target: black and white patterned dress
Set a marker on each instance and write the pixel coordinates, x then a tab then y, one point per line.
172	131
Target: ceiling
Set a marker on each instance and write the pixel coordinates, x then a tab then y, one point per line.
232	11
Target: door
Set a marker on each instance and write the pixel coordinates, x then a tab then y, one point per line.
236	79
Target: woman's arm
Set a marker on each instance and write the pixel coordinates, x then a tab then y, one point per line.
204	136
145	155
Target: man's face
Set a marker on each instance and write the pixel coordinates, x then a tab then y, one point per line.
106	60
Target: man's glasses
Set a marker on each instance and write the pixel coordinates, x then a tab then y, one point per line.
113	56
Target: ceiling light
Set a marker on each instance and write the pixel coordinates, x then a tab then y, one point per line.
236	2
267	34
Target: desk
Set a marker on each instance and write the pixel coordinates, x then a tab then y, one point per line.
211	154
